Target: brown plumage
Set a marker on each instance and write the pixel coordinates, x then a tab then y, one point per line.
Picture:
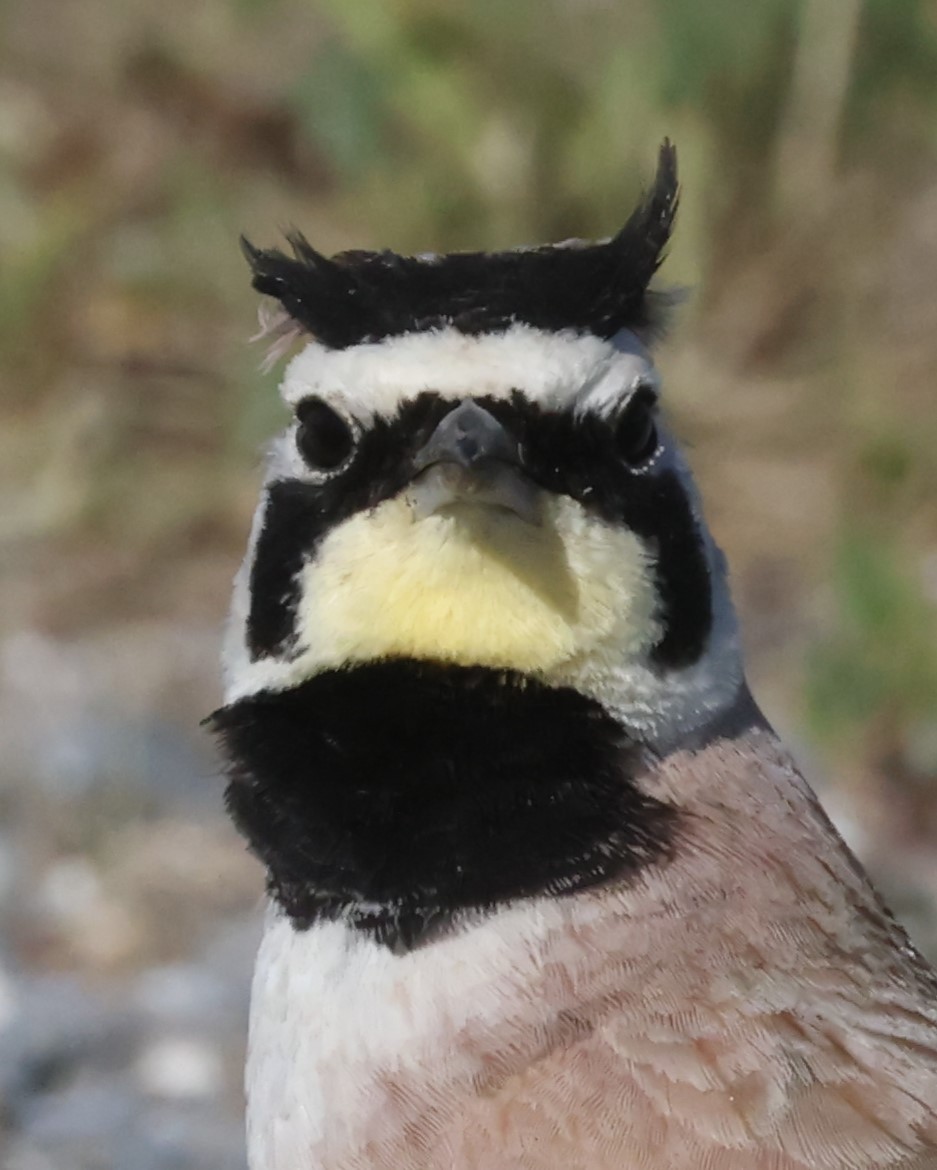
753	1006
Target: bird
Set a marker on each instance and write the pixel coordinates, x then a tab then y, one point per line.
545	889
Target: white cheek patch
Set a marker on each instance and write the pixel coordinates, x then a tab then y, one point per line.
553	370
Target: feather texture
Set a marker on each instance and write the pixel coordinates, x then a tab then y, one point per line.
750	1006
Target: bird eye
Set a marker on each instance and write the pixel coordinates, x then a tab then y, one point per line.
324	439
636	431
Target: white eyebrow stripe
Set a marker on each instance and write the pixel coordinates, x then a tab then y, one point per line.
616	387
555	370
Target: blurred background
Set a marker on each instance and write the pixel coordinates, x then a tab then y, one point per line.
137	139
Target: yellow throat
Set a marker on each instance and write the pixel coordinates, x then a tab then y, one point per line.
475	585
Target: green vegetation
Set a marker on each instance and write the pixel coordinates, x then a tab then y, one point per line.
874	673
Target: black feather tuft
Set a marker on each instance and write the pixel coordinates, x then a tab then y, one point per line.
357	297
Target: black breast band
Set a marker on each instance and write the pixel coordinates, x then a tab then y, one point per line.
399	795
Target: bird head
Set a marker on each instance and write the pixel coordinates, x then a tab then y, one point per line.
477	473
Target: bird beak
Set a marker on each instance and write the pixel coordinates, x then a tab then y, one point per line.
471	459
